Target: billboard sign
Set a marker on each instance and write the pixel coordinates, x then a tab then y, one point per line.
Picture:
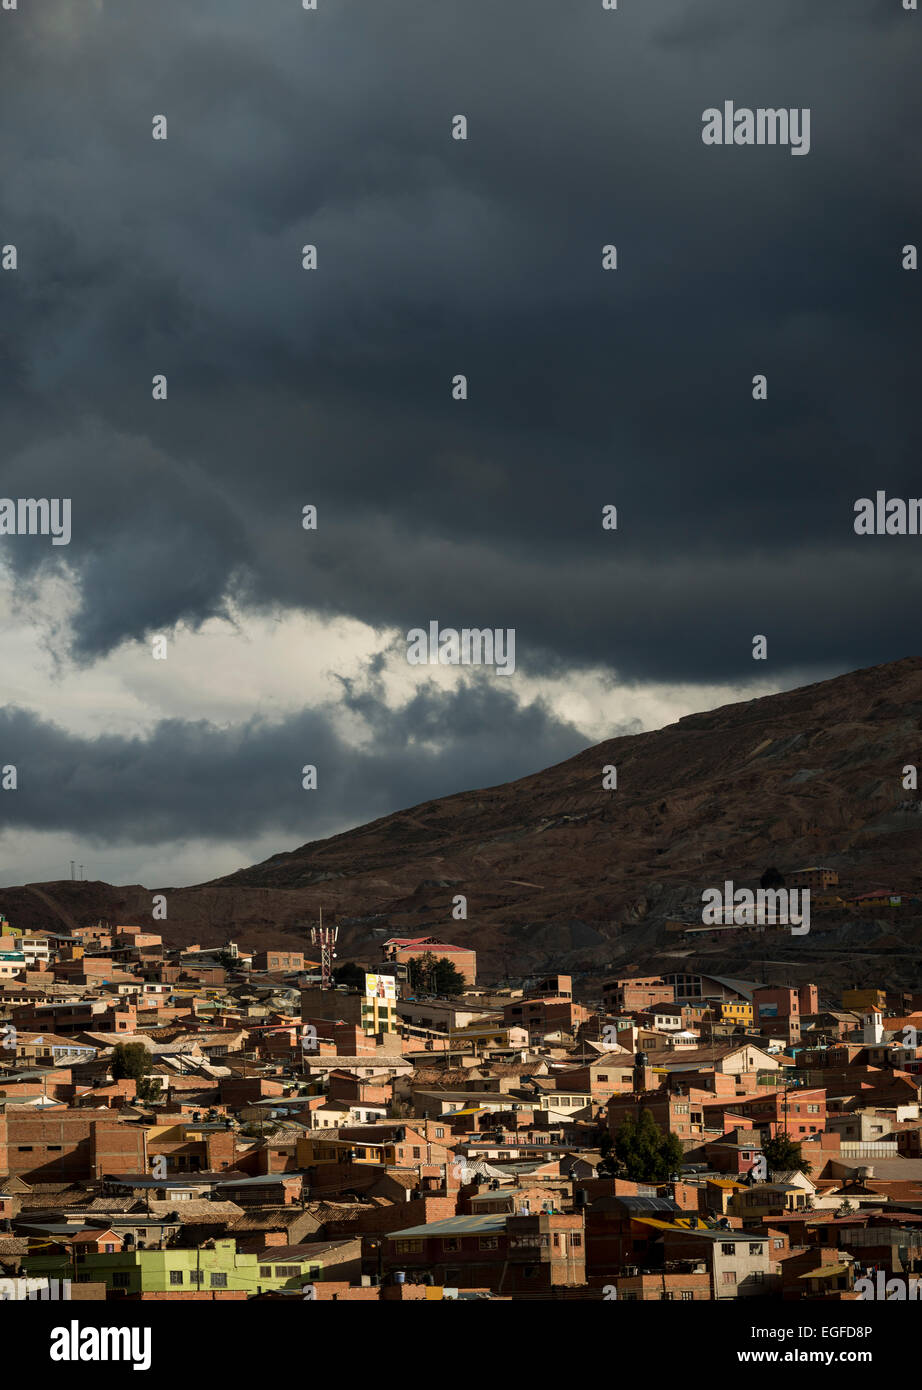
381	987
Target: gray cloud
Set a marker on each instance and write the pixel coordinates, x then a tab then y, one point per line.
436	257
193	778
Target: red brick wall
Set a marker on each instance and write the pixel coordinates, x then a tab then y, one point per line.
221	1149
354	1088
118	1148
329	1292
399	1217
350	1041
240	1090
68	1145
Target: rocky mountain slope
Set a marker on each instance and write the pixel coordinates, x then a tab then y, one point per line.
557	869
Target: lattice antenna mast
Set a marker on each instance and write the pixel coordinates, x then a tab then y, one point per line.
325	938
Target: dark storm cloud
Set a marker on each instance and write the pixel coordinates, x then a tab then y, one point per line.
196	780
482	257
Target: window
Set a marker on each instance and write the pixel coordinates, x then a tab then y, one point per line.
219	1281
488	1243
687	1294
196	1276
756	1250
728	1250
176	1276
728	1277
778	1243
24	1148
109	1249
440	1133
54	1148
416	1151
287	1271
120	1281
451	1243
265	1271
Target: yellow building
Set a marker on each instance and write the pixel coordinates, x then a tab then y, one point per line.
736	1011
728	1011
860	1000
310	1151
767	1199
379	1005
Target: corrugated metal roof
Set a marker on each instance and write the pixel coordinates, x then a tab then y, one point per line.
648	1206
456	1226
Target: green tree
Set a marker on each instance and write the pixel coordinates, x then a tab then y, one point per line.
430	974
643	1152
349	974
448	978
783	1155
418	970
147	1089
602	1139
130	1059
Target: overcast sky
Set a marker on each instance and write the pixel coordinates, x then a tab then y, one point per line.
332	387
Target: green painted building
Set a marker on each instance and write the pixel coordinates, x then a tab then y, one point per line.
177	1270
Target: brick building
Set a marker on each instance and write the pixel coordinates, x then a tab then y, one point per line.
403	949
278	960
634	993
509	1254
65	1145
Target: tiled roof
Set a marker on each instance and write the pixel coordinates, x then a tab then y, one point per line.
266	1218
273	1254
197	1211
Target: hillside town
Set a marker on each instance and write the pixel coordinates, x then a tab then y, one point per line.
223	1124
